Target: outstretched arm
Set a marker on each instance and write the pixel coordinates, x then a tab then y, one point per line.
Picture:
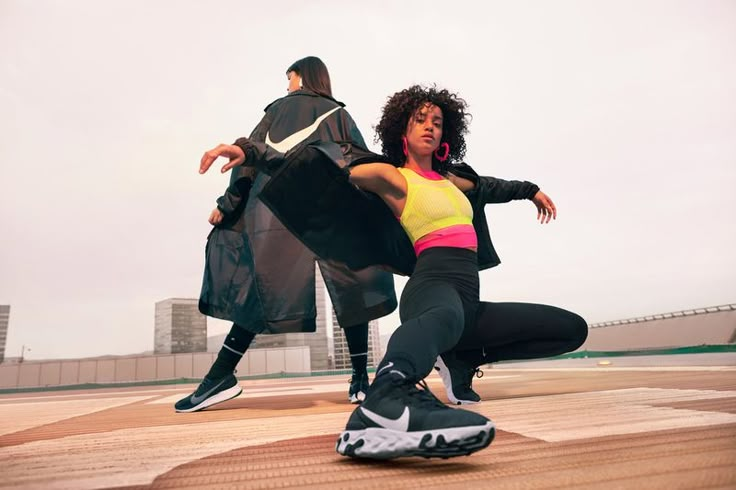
382	179
243	153
546	209
498	191
379	178
493	190
234	154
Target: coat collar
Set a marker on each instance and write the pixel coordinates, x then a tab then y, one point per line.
304	93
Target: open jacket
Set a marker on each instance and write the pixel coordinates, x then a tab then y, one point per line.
257	274
310	193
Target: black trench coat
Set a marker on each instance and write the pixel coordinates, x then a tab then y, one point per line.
257	274
310	180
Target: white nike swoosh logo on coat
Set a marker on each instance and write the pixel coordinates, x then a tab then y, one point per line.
400	424
291	141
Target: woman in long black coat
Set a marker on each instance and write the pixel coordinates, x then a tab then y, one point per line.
257	274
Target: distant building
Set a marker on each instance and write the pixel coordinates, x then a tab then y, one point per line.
318	342
179	327
341	352
4	321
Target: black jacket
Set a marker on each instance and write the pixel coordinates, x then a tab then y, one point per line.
310	193
257	274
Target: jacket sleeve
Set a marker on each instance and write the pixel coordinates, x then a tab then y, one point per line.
237	192
490	190
241	178
261	156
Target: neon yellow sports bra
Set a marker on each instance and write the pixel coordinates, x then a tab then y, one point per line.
432	205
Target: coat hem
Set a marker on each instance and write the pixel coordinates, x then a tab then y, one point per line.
350	319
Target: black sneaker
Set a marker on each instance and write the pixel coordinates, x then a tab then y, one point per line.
210	392
358	388
399	419
458	380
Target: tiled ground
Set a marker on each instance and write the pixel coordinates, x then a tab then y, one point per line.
588	427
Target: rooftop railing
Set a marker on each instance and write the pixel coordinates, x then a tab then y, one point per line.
665	316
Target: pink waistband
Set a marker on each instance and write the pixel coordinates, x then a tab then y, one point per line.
457	236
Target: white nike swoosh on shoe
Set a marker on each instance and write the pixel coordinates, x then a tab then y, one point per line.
389	365
400	424
197	399
291	141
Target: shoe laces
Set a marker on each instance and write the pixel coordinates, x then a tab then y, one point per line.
208	383
204	386
421	392
466	380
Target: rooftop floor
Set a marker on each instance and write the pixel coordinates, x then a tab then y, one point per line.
566	425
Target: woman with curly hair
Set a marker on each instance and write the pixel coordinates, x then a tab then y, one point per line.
498	331
433	208
424	130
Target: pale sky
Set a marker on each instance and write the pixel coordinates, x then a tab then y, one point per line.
623	111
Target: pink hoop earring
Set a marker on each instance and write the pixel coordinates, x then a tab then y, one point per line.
444	156
405	146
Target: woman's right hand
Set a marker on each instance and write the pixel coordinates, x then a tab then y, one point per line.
215	217
233	153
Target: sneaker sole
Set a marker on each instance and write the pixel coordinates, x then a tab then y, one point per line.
378	443
444	373
222	396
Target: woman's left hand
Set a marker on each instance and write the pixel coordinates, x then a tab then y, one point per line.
546	209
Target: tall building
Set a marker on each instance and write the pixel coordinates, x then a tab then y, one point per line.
4	321
342	354
318	342
180	327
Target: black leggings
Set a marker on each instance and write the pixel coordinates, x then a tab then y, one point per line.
440	311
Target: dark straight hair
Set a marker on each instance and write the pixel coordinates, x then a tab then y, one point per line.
315	76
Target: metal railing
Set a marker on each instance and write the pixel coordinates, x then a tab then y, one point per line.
665	316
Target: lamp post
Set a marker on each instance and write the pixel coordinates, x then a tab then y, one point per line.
23	351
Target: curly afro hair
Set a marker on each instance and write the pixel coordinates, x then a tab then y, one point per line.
401	106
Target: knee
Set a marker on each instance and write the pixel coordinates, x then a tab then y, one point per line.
578	330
